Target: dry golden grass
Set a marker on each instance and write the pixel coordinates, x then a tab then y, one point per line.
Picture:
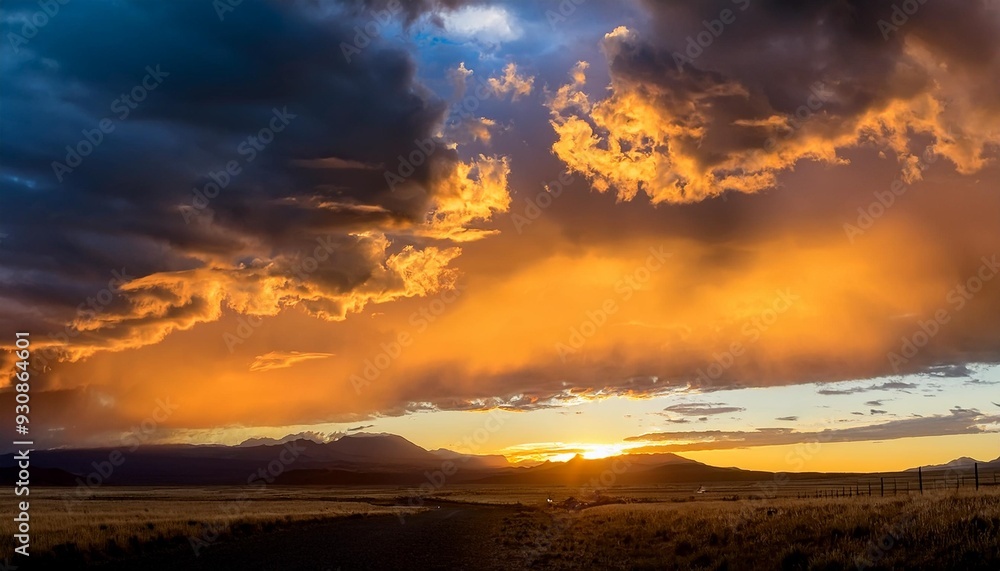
116	521
663	530
934	531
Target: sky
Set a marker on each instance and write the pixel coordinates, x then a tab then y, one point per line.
755	233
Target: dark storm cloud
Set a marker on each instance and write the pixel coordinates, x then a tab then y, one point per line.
413	9
852	45
887	386
950	371
361	427
701	409
266	92
959	421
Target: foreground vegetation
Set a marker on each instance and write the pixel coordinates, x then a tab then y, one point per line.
934	531
640	529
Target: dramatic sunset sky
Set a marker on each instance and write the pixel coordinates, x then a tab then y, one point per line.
722	228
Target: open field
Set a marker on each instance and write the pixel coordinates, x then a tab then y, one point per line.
935	531
506	528
119	521
779	487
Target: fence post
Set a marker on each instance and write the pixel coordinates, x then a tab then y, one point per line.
976	466
920	477
869	489
881	486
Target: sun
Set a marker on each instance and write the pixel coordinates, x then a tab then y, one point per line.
595	451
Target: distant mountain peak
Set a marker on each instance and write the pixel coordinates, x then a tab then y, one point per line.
961	462
476	460
373	435
317	437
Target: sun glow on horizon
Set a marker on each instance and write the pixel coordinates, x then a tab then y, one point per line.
565	451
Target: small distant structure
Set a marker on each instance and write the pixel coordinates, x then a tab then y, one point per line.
701	490
576	504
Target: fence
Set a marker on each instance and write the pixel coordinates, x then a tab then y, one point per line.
971	478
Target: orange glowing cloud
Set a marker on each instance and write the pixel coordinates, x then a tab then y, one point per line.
690	134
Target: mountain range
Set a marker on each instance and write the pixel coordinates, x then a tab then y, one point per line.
365	459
